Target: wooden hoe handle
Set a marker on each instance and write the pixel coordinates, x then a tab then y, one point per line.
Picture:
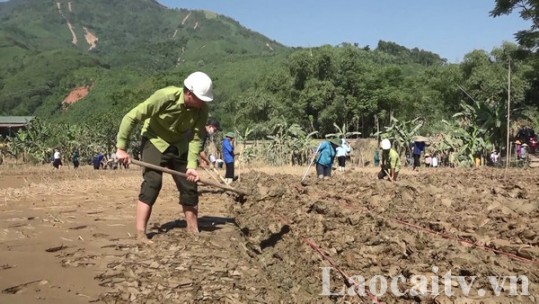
174	172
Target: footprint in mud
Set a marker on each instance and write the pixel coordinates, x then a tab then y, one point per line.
57	248
77	258
6	266
94	212
18	289
100	235
78	227
18	225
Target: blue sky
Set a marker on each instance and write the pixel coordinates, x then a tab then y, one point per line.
450	28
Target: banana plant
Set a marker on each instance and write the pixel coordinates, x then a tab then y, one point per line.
342	132
289	145
465	142
279	146
247	154
19	145
301	145
486	118
402	133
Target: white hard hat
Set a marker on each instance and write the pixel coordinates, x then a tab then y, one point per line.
386	144
200	84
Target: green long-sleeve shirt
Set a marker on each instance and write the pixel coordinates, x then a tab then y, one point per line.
167	121
391	160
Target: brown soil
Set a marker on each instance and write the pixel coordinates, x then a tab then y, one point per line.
76	95
66	236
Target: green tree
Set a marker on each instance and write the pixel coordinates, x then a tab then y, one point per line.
401	133
528	10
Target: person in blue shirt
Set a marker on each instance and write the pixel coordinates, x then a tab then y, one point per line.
419	146
98	161
326	156
376	157
228	157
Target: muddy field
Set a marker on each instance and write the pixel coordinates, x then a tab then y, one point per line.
67	237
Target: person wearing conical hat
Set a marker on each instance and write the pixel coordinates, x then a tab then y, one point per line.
228	157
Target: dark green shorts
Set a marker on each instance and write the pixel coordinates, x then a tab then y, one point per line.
153	180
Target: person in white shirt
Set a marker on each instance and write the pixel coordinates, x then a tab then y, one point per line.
219	163
494	157
434	161
113	161
57	162
428	160
212	160
341	153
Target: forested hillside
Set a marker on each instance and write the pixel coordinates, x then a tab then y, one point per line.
51	47
121	51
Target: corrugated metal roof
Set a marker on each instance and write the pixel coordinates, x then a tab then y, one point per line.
12	125
15	120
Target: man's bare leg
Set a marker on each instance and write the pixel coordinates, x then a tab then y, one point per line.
191	217
143	215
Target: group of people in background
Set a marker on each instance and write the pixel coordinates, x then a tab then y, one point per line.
98	161
101	161
429	160
326	153
227	149
330	149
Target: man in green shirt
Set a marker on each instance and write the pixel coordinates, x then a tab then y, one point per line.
390	164
174	125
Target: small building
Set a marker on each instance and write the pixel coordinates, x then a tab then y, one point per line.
10	125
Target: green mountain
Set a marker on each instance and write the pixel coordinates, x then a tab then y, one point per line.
119	49
115	53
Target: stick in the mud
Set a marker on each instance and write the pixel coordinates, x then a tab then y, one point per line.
310	164
211	175
239	167
174	172
362	161
220	177
388	175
